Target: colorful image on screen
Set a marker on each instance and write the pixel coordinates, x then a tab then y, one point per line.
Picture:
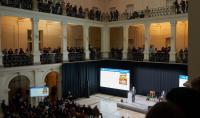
39	91
115	78
182	80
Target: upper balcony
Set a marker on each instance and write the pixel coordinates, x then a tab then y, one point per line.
78	48
63	9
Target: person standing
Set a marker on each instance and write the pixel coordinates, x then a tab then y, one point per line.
176	4
133	94
187	5
183	5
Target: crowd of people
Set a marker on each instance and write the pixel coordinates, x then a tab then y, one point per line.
182	56
116	53
76	53
95	53
49	55
18	57
24	4
181	7
114	15
136	54
50	50
63	8
161	55
64	108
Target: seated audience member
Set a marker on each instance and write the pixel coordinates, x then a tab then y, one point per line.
187	99
165	110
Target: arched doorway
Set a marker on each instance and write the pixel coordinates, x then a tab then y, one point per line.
51	81
19	89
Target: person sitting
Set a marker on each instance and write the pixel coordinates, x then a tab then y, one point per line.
187	99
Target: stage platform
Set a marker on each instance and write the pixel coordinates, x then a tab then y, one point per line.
140	105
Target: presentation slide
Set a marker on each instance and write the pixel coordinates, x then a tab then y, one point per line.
39	91
182	80
115	78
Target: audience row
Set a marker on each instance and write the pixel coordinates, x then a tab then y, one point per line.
64	108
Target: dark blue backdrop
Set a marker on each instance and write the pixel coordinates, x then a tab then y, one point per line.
82	78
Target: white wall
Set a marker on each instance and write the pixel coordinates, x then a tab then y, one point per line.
35	74
138	4
182	35
95	37
158	34
74	36
51	33
136	36
116	37
14	32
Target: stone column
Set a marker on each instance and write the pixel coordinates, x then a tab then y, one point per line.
35	5
105	42
1	55
125	41
173	41
86	41
38	81
64	41
146	41
35	35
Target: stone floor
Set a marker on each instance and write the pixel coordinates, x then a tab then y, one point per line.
108	107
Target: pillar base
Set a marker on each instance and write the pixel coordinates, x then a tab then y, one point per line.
65	56
105	55
36	58
125	55
172	57
146	56
87	55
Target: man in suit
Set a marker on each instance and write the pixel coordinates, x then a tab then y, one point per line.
133	94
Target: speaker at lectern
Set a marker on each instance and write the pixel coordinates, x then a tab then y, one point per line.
131	95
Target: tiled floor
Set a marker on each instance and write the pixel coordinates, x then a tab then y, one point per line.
108	107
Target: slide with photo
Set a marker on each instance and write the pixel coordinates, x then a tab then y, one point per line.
182	79
115	78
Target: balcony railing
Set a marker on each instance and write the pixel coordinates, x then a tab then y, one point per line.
50	58
159	57
116	55
12	60
136	56
76	56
